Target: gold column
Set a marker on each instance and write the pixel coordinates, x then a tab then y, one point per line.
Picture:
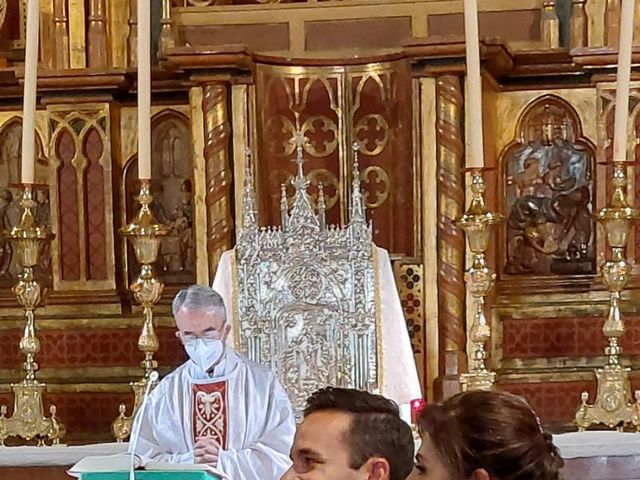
241	143
97	55
61	34
550	31
77	36
132	37
167	33
451	293
427	165
118	28
579	36
28	420
199	185
218	172
613	405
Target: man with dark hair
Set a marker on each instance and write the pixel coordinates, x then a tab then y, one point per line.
351	435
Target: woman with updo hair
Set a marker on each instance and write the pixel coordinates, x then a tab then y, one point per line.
484	436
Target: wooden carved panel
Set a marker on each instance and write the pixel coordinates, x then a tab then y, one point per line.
80	144
549	193
309	103
10	197
334	107
172	187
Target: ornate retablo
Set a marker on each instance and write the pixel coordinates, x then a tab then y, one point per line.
306	293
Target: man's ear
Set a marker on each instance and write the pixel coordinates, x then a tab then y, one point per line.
480	474
377	468
227	329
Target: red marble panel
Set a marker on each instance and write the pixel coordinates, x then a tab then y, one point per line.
68	199
563	336
90	348
87	416
95	207
9	353
556	402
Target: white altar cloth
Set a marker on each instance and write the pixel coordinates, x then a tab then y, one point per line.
58	456
597	444
399	380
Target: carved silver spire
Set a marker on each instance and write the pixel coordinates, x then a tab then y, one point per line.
356	209
306	292
302	216
249	206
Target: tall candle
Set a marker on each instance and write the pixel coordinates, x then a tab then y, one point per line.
144	89
29	95
623	79
474	85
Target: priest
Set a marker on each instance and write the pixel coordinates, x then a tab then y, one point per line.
218	408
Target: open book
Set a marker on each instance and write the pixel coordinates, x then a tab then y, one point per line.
120	463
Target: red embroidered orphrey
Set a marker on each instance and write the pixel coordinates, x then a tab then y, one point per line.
210	412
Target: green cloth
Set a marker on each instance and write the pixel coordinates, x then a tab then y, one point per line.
150	475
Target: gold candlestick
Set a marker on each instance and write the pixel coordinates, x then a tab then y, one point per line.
478	223
28	420
613	406
145	234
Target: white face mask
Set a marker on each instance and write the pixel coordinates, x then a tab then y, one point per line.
205	352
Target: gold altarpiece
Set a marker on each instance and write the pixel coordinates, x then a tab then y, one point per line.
318	67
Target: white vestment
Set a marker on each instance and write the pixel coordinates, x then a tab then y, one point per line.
399	380
240	404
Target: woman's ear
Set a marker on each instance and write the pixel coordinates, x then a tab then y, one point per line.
377	468
480	474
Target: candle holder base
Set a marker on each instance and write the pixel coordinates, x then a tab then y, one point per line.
121	426
28	420
477	381
613	405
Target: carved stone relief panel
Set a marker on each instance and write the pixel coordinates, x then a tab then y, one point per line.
549	193
11	195
172	188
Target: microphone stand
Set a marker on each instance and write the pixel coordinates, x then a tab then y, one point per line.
135	434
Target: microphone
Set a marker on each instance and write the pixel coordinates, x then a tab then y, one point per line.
135	431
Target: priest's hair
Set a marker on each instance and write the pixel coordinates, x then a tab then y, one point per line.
376	428
198	297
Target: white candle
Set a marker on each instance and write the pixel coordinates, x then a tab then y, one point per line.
623	79
144	89
474	86
405	413
29	94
